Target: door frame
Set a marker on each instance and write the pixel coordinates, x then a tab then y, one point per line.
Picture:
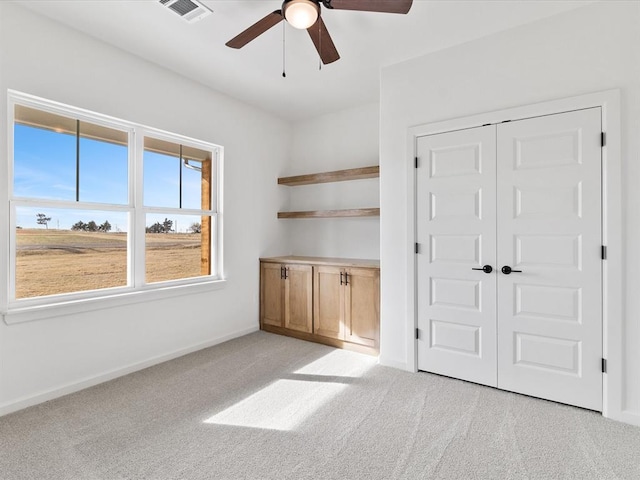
612	328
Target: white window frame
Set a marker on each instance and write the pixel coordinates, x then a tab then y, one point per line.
21	310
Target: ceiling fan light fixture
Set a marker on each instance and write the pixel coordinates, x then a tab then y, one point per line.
301	13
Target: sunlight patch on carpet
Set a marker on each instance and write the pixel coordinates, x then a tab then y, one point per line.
283	405
287	403
340	363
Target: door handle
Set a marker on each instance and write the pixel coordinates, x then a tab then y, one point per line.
507	270
346	278
485	269
341	282
285	273
281	273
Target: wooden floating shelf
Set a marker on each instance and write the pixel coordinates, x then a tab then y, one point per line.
326	177
353	212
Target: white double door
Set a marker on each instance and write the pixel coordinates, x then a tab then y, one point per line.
526	196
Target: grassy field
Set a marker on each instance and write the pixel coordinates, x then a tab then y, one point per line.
60	261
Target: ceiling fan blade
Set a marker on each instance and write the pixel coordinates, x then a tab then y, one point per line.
323	42
256	29
385	6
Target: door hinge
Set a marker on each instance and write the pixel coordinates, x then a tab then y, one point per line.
417	334
603	138
417	248
417	161
604	365
603	252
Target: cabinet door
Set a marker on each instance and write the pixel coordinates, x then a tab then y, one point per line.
298	298
362	306
271	284
328	300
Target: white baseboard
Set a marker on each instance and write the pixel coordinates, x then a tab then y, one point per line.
386	362
53	393
631	417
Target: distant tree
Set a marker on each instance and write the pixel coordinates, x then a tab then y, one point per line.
42	219
92	226
79	226
105	227
167	225
195	228
155	228
164	227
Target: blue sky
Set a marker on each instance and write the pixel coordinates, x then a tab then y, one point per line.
45	167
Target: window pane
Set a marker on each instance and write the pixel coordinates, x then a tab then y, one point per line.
103	164
161	173
47	156
170	182
196	178
44	155
192	185
64	251
177	246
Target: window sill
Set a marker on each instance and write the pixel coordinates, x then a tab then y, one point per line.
51	310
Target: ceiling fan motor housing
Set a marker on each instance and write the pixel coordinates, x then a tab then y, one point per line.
301	13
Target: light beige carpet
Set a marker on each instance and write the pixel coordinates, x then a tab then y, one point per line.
265	406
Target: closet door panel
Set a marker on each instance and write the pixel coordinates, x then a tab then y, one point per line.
549	227
456	231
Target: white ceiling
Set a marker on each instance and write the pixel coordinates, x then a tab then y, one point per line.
366	42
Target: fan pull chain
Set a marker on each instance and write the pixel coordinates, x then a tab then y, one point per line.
320	43
284	73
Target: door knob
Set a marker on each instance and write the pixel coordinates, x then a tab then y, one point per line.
507	270
485	269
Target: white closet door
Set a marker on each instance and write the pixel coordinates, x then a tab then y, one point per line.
549	227
456	231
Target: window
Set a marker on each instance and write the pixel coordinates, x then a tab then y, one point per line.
101	207
177	200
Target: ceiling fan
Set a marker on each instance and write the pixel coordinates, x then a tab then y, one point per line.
305	14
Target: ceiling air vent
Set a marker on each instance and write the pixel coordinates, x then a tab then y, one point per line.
190	10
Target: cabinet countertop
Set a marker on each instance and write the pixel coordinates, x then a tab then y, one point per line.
343	262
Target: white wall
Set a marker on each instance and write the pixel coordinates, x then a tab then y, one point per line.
42	358
341	140
591	49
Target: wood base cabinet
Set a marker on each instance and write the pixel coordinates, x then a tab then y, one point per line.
362	306
346	304
286	296
345	295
